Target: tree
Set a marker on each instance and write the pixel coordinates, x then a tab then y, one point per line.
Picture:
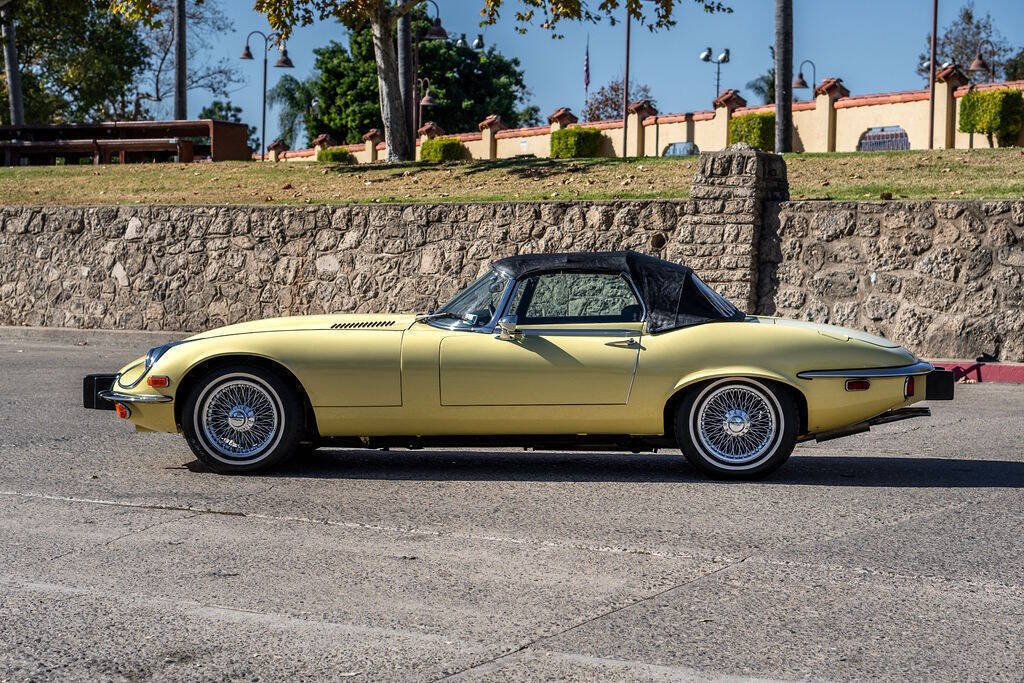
382	15
783	76
963	39
295	98
77	60
1014	68
764	85
606	102
220	110
11	68
158	83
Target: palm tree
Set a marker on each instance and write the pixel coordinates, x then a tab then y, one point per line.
764	85
296	100
783	76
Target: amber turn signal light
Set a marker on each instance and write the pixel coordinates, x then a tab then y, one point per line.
857	385
122	411
159	381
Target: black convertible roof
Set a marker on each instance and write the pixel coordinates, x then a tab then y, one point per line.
674	296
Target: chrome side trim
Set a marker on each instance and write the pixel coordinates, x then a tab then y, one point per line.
578	332
118	397
919	368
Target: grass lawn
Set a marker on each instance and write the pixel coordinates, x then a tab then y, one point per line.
956	174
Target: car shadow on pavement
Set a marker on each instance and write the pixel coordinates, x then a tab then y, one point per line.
432	465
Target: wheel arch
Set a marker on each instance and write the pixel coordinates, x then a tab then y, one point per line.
688	384
191	377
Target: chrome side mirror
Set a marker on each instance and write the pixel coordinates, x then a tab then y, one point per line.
507	328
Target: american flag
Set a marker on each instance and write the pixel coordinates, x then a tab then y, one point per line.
586	70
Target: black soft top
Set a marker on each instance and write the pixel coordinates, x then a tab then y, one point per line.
675	297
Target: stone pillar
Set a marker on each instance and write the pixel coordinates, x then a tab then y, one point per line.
727	211
276	150
725	104
488	127
825	95
946	82
322	142
428	131
561	118
637	112
371	139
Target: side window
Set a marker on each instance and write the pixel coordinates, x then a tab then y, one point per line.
576	298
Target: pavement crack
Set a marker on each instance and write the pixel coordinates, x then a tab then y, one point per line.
490	662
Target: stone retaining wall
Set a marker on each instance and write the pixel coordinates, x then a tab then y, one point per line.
191	268
945	278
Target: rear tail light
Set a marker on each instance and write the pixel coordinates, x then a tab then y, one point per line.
123	411
908	387
858	385
159	381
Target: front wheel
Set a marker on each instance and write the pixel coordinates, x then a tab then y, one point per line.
242	418
736	427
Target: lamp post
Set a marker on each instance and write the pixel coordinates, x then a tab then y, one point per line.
423	84
800	84
625	92
931	76
283	62
979	65
718	62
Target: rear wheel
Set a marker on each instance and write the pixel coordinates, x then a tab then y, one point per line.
242	418
736	427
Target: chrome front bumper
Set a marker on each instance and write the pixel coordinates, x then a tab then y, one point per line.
117	397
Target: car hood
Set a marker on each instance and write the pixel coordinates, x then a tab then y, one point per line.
342	321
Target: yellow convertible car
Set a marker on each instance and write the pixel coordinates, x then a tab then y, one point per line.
602	351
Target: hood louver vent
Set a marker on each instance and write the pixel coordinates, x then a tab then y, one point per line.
363	324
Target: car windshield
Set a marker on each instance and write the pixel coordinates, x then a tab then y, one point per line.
474	306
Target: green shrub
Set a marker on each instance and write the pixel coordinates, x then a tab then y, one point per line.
443	149
576	143
757	130
335	155
998	113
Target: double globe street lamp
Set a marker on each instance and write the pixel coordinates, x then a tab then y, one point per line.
283	62
718	62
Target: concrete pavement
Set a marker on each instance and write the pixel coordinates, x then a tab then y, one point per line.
889	555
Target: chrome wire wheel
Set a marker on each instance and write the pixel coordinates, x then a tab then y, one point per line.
240	419
737	424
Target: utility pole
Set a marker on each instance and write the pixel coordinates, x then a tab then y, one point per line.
931	77
625	92
180	62
13	72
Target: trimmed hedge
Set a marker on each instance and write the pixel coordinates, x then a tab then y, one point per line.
998	113
757	130
443	149
576	143
335	155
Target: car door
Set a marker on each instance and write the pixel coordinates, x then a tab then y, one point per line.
577	343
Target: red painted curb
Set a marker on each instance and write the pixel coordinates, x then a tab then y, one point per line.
1007	373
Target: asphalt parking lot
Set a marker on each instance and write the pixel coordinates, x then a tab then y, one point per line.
889	555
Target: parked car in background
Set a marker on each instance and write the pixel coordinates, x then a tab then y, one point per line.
681	149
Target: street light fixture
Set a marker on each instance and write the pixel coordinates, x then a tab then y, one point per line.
427	101
478	44
800	84
283	62
461	42
718	62
979	65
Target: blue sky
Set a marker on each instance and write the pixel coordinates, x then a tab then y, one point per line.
872	44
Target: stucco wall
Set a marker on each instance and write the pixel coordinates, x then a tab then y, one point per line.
944	278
